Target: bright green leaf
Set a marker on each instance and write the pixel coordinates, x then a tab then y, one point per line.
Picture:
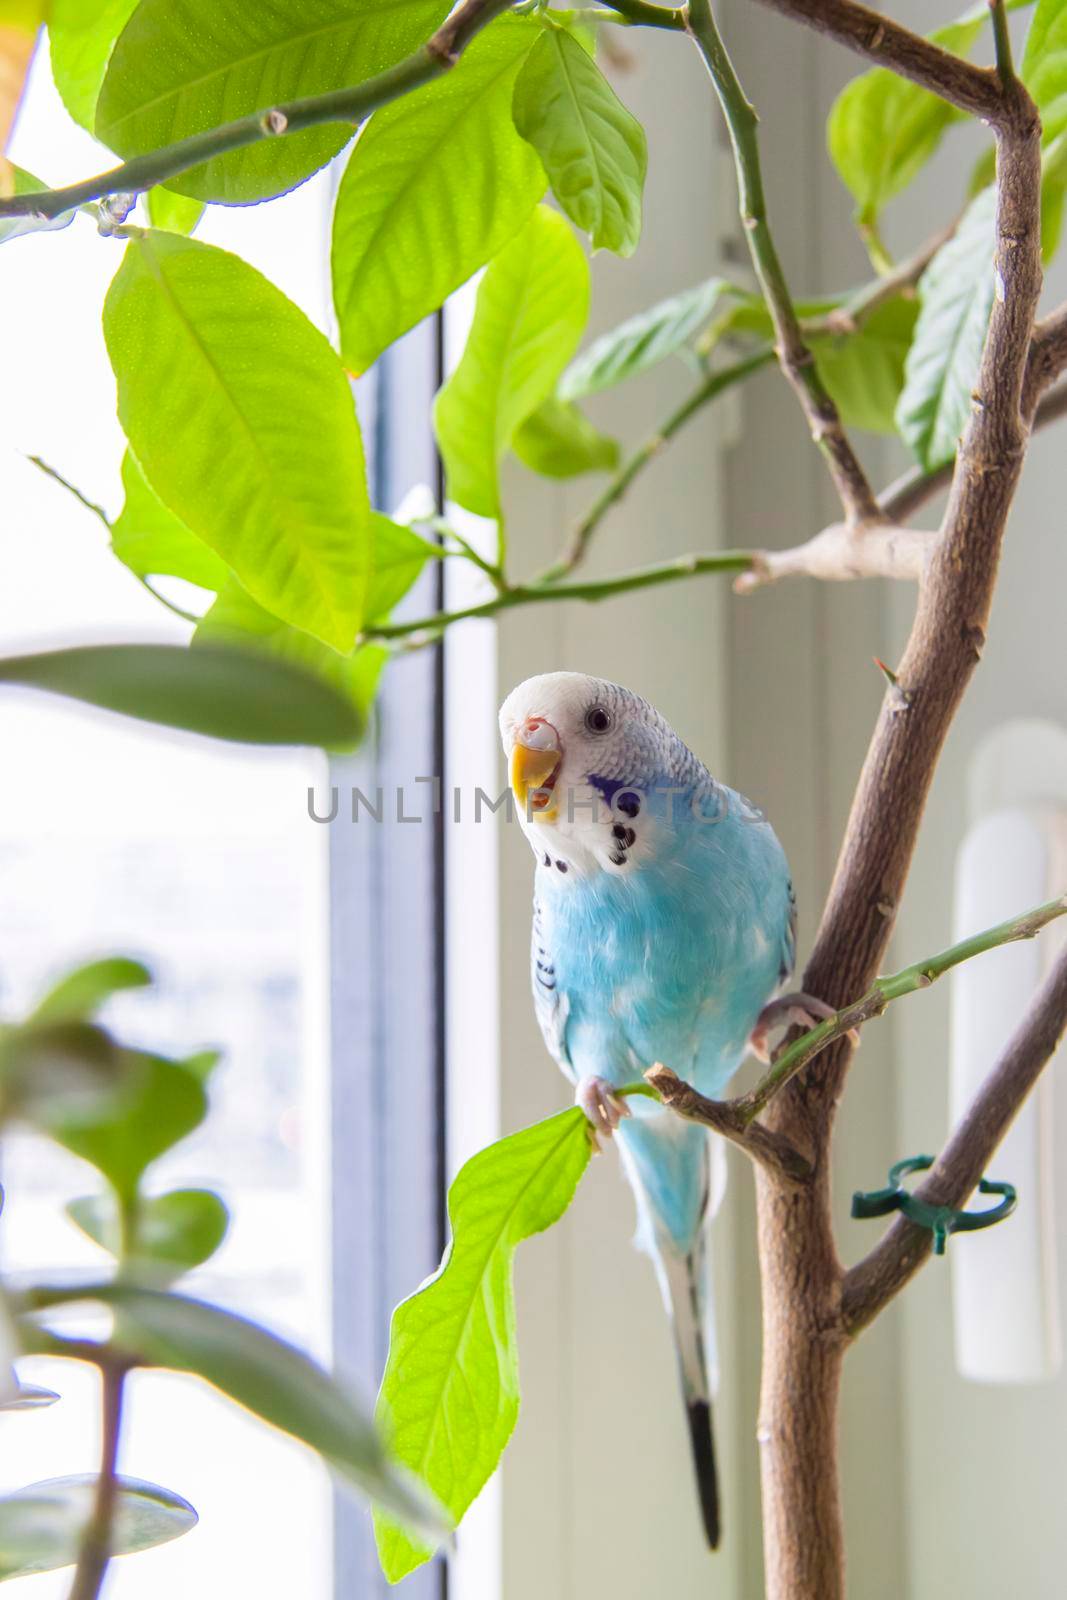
643	340
530	312
1044	65
864	371
174	212
153	542
172	1232
235	619
955	299
592	149
450	1394
883	129
243	422
436	184
399	557
41	1526
82	35
221	691
181	67
558	441
161	1102
79	994
274	1380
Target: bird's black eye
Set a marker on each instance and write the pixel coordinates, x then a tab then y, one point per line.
597	720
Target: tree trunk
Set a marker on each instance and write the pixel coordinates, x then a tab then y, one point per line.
803	1349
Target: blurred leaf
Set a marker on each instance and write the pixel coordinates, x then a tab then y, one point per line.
236	620
528	318
592	149
643	340
66	1072
160	1104
81	992
558	441
883	129
153	542
18	181
176	1231
1044	66
864	371
29	1397
436	184
174	212
184	66
399	557
41	1526
216	690
19	22
273	1379
450	1395
83	34
955	299
242	420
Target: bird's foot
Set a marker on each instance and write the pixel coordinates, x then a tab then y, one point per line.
602	1106
803	1009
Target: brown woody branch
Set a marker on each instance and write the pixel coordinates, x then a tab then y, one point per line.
769	1149
871	1284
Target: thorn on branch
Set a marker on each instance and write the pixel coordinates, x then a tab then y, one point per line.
274	122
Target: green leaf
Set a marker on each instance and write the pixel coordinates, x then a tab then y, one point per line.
530	312
864	371
217	690
399	557
271	1378
41	1526
23	182
436	184
237	621
955	299
883	129
60	1073
79	994
153	542
161	1102
181	67
450	1394
592	149
1044	66
174	212
643	340
559	442
243	422
176	1231
82	35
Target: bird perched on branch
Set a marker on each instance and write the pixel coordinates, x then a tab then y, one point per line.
663	924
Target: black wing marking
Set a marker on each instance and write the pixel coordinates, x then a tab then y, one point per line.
789	943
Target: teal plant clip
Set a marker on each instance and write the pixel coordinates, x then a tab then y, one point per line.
940	1220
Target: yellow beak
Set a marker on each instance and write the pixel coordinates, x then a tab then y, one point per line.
529	770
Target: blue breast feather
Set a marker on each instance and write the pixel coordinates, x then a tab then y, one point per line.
670	960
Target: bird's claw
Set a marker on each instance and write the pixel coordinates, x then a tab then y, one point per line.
800	1008
603	1108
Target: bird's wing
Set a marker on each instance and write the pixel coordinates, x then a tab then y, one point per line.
550	1003
789	941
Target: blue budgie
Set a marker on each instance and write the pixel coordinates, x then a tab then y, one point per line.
663	925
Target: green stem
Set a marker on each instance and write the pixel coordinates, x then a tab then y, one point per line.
884	990
351	105
1002	47
794	357
537	593
712	386
650	16
95	1551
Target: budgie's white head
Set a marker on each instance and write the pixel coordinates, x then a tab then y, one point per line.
585	758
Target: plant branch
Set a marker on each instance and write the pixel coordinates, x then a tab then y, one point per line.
869	1286
352	105
885	43
848	317
649	15
95	1551
794	357
1002	47
769	1149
